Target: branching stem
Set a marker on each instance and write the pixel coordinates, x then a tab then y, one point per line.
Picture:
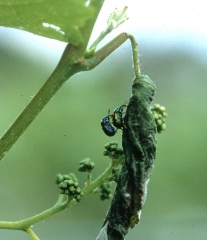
71	62
65	69
25	225
60	199
32	234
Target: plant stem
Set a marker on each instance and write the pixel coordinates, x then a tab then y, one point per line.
93	185
65	69
27	223
60	199
71	62
89	176
102	178
116	18
59	206
135	53
32	234
63	72
105	51
100	38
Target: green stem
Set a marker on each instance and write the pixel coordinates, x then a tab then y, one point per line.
105	51
32	234
102	178
117	17
67	67
25	225
60	199
135	53
100	38
71	62
89	176
97	182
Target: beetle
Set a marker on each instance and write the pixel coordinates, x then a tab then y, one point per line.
118	120
108	129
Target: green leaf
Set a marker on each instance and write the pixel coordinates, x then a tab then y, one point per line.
60	20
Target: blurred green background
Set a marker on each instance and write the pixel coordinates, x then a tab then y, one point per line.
68	130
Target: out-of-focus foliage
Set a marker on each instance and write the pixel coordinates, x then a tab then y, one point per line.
60	20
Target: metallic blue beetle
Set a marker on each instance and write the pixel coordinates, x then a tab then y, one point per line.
117	121
107	127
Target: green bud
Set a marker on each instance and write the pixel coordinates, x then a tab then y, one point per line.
70	182
71	189
62	191
156	116
73	177
159	115
86	165
156	106
78	198
63	185
163	126
92	165
59	178
81	168
159	122
110	196
107	146
113	153
66	177
75	184
78	190
113	147
119	150
162	109
66	192
105	153
89	53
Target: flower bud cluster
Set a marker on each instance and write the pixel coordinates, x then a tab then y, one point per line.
113	150
159	115
115	174
86	165
68	185
105	191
